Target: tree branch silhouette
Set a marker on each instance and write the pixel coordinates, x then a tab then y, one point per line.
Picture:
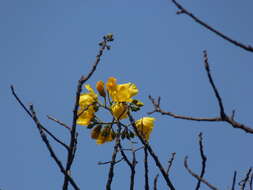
182	10
223	116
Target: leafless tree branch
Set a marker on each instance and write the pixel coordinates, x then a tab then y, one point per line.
59	122
223	116
182	10
146	168
243	182
170	162
196	176
234	181
83	79
204	158
155	181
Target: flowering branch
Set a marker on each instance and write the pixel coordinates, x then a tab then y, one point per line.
223	116
182	10
154	156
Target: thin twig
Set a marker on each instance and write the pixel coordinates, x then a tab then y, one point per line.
251	180
146	168
50	149
243	182
42	131
204	24
130	164
196	176
223	116
170	162
59	122
155	181
151	152
234	181
83	79
204	158
55	138
114	154
109	162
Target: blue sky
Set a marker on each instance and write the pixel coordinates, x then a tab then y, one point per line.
47	45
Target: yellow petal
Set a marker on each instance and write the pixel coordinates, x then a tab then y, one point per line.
145	126
86	116
119	110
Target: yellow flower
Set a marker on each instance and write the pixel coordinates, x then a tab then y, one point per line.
106	135
119	110
145	126
100	88
86	109
85	115
89	98
121	92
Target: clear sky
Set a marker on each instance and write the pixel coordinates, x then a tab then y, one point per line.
47	45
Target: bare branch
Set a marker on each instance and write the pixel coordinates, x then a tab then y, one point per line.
55	138
146	168
182	10
196	176
234	181
243	182
83	79
223	116
109	162
114	154
50	149
155	181
204	158
42	131
251	180
59	122
170	162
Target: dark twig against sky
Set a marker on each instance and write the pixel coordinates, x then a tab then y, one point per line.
146	168
245	180
196	176
222	115
203	158
73	139
44	138
234	181
182	10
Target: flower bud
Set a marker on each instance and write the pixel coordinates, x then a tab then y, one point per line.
95	132
100	88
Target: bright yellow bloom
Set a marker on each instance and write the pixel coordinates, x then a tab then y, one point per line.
121	92
145	126
85	115
88	98
119	110
86	109
100	88
105	136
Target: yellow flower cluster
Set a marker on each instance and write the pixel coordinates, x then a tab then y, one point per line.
120	101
